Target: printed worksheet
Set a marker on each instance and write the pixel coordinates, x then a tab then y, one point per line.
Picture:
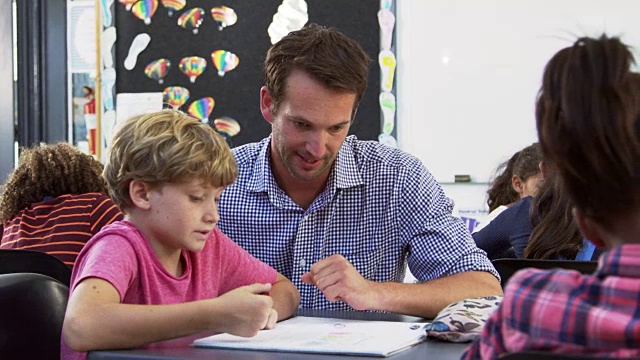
324	335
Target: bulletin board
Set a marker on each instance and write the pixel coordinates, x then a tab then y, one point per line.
236	93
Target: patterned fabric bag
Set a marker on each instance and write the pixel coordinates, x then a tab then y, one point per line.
463	320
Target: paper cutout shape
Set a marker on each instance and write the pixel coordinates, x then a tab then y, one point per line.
108	82
201	109
224	61
387	21
176	96
144	10
174	5
226	126
108	38
158	69
108	121
192	66
192	19
127	3
224	16
291	15
388	140
138	45
387	62
107	17
388	105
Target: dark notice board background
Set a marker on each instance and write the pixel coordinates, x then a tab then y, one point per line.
237	93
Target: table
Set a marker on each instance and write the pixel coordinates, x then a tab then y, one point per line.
180	349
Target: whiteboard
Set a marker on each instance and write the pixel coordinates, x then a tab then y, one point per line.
469	72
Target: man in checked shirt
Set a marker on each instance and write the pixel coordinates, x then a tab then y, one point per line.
338	216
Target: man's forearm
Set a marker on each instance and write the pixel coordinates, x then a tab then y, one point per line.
428	298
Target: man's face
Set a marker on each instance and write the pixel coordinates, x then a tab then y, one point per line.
309	127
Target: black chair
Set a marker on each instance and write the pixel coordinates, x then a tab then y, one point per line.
28	261
541	355
32	308
507	267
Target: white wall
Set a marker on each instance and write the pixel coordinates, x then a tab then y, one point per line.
469	72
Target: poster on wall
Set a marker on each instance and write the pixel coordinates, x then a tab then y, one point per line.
206	57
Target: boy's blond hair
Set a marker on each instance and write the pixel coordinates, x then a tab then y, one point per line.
166	147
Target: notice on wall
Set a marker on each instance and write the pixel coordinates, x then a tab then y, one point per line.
133	104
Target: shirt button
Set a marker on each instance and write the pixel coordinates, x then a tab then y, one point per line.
303	262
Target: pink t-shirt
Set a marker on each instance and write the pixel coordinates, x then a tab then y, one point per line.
122	256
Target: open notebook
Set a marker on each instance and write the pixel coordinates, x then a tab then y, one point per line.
329	336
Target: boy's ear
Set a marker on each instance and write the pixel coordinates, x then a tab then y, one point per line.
590	229
139	193
266	104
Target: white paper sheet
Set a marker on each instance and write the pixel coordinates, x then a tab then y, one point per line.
322	335
132	104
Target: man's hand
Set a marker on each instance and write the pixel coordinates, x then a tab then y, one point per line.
247	311
340	281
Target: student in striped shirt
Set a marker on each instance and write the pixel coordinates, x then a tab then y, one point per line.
55	201
588	119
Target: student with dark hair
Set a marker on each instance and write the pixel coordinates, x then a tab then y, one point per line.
55	201
555	234
540	227
588	120
342	217
516	178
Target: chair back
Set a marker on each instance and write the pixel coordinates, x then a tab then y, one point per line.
507	267
29	261
32	308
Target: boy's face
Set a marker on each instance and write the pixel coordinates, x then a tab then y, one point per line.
182	216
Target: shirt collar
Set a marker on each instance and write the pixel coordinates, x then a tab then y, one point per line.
346	168
345	172
621	261
261	172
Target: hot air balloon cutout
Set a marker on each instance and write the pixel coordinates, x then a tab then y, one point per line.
144	10
158	69
224	16
224	61
127	3
202	108
226	127
174	5
192	19
192	66
175	96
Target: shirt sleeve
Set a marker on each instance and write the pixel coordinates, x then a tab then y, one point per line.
110	258
104	213
494	238
439	244
240	268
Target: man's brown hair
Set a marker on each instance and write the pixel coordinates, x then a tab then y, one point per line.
326	54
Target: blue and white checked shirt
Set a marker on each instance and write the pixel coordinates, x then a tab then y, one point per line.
381	209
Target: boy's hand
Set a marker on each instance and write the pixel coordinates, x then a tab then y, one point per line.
246	311
273	319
